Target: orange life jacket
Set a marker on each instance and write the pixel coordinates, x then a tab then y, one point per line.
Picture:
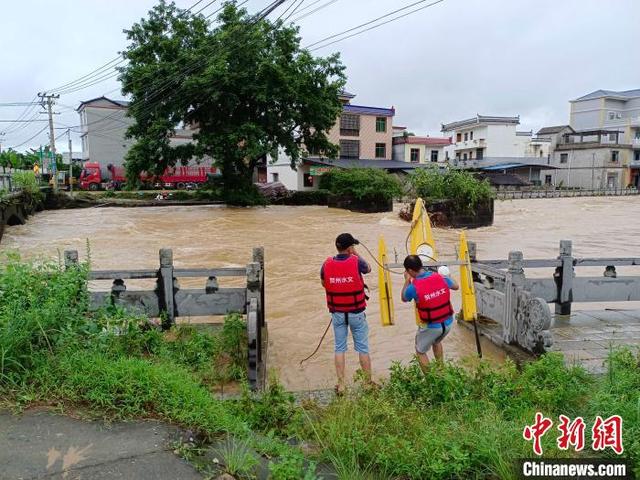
434	298
344	285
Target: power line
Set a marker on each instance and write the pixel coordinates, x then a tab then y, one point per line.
28	140
307	14
371	22
206	6
294	10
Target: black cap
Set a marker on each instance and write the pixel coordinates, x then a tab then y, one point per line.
345	240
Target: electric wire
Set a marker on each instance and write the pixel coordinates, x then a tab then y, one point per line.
29	139
294	10
370	22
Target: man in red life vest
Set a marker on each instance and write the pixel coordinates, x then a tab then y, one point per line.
341	277
431	292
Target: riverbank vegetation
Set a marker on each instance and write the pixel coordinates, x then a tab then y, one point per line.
363	184
456	421
461	187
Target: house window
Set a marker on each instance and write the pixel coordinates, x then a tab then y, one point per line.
464	156
349	125
612	115
564	157
434	155
349	148
381	150
308	180
479	153
612	137
614	155
275	177
470	155
471	135
547	179
457	156
466	136
458	137
637	134
636	155
381	124
415	155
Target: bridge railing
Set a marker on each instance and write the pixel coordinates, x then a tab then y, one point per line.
168	300
519	194
521	304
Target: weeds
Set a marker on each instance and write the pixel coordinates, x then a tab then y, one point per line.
454	422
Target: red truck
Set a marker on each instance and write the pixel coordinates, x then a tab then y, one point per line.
95	177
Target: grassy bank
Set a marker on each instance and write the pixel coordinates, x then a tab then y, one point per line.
455	422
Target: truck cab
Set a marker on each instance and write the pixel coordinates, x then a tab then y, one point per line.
90	177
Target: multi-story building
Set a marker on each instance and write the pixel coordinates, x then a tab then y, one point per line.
488	136
363	134
617	112
104	124
591	159
420	150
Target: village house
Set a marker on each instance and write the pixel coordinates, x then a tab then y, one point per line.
364	135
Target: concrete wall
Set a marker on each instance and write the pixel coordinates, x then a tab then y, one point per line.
290	178
588	168
103	139
587	114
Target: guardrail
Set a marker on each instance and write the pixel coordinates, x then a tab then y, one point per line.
521	194
169	301
521	305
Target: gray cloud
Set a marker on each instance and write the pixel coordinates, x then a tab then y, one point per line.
450	61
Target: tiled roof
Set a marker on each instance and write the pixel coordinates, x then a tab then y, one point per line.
362	110
413	140
625	94
345	94
502	179
479	119
119	103
554	129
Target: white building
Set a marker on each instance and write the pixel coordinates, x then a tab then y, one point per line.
491	136
412	149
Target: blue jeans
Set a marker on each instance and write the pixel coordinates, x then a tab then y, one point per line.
359	331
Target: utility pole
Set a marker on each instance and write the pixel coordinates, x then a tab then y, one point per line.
48	102
70	163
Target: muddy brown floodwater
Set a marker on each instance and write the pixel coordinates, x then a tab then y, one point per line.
298	239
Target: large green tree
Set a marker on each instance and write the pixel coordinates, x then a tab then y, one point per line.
245	83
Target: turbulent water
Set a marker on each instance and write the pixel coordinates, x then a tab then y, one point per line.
298	239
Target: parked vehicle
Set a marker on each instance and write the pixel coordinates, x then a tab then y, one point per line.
95	177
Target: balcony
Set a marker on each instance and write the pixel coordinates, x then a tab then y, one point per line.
475	143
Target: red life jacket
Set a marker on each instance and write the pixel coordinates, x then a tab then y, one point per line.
344	285
434	298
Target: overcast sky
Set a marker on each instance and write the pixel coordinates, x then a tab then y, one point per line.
444	63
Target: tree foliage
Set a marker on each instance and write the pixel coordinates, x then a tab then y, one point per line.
462	187
362	183
246	85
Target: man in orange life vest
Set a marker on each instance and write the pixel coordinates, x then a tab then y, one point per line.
431	292
342	279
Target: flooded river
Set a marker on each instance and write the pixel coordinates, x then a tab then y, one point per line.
298	239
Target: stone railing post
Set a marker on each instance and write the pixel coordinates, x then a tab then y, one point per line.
70	258
563	277
258	257
165	287
253	324
514	281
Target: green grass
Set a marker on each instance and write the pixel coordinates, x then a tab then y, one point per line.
454	422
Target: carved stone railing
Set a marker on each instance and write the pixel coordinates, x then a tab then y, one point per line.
168	300
521	305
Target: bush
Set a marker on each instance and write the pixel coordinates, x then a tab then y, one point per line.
311	197
369	184
462	187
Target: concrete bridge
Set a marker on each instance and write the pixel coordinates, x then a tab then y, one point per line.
514	307
15	207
